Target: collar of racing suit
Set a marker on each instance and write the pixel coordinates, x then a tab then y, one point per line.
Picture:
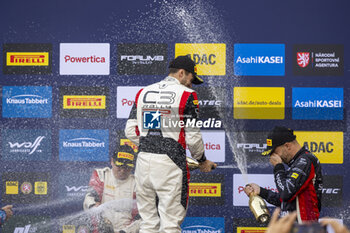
171	79
301	151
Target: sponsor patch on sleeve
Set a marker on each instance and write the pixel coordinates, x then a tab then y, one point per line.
295	175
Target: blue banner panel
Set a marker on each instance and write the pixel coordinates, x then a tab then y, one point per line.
25	144
259	59
27	101
203	224
317	103
83	145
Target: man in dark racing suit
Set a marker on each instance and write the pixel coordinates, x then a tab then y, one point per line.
299	186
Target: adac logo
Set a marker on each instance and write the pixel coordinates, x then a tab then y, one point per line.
303	59
84	102
251	229
205	189
11	187
40	188
26	187
210	59
27	59
326	146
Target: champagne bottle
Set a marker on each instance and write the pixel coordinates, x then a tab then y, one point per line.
258	206
192	164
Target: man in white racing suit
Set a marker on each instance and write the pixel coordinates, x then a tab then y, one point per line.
162	122
113	190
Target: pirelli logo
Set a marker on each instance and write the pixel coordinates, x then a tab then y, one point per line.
123	155
11	187
27	59
205	189
251	229
124	141
84	102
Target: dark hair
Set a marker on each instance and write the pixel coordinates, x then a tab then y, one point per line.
175	70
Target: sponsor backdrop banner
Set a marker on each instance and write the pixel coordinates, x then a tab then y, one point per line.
28	224
258	103
318	60
26	187
318	103
26	101
207	189
70	77
259	59
214	145
84	102
210	59
327	146
27	58
202	224
142	58
26	144
239	182
125	100
84	59
84	145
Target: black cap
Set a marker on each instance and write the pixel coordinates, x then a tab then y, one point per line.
277	137
124	156
186	63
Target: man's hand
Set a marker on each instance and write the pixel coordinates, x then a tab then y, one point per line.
207	166
337	227
8	211
282	225
275	159
97	204
249	188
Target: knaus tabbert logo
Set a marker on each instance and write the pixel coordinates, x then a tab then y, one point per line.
26	147
140	59
83	143
26	99
200	229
